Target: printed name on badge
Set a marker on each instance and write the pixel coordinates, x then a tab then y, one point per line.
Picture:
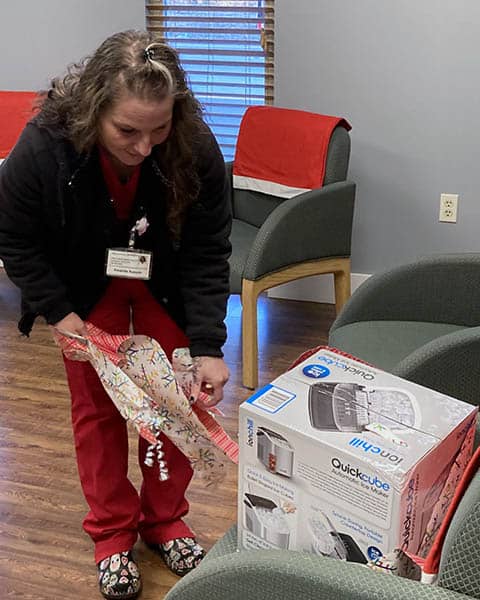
132	264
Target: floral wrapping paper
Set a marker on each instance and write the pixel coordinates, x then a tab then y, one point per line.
411	566
397	562
446	496
153	395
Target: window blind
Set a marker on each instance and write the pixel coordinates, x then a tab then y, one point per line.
227	49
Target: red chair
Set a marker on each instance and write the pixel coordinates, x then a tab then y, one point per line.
16	109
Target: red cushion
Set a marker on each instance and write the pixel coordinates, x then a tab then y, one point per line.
16	108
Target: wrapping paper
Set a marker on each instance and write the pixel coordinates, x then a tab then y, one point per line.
153	395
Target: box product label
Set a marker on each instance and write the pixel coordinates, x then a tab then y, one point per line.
348	485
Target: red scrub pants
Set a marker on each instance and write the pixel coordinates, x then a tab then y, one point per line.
117	512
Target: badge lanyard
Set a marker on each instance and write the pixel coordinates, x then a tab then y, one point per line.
130	262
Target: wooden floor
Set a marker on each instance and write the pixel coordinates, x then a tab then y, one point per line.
44	554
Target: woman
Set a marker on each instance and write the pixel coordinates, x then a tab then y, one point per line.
119	158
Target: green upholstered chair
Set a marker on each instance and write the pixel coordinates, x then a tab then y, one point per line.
277	240
420	321
226	574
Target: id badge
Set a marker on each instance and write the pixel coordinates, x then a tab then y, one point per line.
129	263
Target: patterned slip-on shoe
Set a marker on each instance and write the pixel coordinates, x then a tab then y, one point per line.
181	555
119	577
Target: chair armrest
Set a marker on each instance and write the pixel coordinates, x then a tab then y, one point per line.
313	225
449	364
438	289
285	575
460	548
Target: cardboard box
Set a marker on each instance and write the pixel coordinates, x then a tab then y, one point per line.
341	459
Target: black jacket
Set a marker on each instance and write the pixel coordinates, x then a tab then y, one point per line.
57	220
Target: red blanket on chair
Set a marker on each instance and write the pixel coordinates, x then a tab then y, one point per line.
15	110
281	151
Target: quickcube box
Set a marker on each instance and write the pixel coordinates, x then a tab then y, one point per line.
345	460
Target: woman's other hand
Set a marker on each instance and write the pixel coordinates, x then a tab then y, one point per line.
210	375
72	323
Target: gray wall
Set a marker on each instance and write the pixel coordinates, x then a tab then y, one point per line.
39	38
406	75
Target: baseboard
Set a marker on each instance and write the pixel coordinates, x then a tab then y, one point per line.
314	289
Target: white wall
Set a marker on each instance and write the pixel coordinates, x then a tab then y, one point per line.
406	75
39	38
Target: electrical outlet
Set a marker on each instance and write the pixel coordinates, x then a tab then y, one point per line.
448	208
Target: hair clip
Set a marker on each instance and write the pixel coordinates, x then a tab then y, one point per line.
148	54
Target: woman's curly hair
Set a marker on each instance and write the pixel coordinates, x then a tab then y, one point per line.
138	63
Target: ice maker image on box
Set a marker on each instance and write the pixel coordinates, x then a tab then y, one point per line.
275	452
329	542
352	407
266	520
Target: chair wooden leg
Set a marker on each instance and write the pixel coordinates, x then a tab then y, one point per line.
342	285
340	267
249	334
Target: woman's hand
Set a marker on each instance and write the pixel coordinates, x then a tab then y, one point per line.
210	374
72	323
